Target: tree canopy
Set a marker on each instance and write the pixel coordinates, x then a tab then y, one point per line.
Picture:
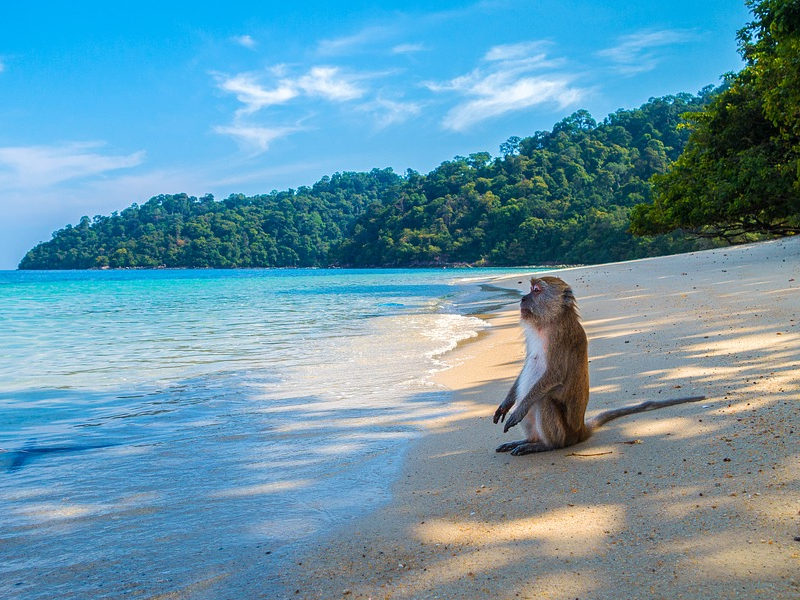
559	196
297	228
740	170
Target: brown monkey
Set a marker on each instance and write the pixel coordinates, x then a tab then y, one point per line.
552	390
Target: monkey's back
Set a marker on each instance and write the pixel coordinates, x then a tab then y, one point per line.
569	339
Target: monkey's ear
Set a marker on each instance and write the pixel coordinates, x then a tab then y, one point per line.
568	297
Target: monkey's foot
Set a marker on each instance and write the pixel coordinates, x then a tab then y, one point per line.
510	446
529	448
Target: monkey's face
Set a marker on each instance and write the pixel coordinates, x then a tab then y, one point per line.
547	300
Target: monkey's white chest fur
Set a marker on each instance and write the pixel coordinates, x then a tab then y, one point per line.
535	361
532	371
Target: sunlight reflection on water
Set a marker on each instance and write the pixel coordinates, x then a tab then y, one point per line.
161	426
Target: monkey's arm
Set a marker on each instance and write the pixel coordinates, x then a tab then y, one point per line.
505	405
543	387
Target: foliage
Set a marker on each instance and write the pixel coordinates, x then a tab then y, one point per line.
556	197
561	196
291	228
740	171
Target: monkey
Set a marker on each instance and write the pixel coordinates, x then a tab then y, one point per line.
552	390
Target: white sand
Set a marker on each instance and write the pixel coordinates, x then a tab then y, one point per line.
704	504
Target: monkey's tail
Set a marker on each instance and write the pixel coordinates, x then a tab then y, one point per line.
610	415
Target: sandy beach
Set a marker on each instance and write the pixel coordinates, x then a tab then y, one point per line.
694	501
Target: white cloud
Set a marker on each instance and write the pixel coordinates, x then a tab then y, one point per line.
349	43
330	83
254	137
245	40
390	112
279	70
630	54
512	96
506	81
408	48
254	96
520	51
40	166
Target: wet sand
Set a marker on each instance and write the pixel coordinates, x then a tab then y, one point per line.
693	501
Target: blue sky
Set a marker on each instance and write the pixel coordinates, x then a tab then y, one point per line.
103	104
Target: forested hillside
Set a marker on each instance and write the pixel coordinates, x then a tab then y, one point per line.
291	228
562	196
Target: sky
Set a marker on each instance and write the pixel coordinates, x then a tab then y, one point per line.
103	104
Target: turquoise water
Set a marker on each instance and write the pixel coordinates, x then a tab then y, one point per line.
159	428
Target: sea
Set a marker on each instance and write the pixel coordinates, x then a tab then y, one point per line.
191	431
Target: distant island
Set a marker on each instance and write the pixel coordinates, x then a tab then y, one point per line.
559	196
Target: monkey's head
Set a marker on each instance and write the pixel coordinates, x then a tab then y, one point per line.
548	300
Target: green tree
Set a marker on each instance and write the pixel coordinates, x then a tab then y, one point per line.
740	171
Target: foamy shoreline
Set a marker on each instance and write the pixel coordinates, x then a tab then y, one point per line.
164	430
703	505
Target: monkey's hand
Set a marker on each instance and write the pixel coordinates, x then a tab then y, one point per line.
502	410
515	418
505	405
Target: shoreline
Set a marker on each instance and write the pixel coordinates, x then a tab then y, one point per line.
699	505
443	266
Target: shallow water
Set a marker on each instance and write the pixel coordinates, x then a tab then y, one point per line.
160	428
